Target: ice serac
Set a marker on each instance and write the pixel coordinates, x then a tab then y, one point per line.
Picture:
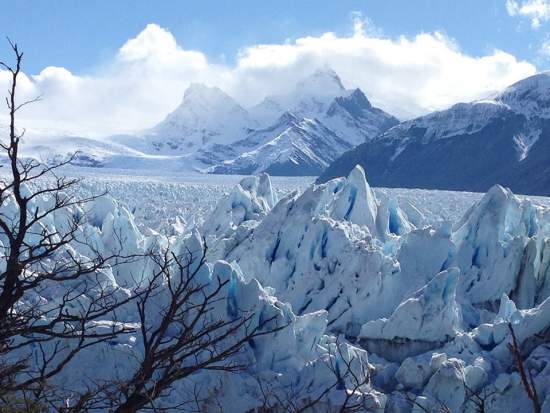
296	356
356	201
499	243
330	249
250	200
431	314
530	324
430	304
447	386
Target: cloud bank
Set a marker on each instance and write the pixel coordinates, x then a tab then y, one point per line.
537	11
407	76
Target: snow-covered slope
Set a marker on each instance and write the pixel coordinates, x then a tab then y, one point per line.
85	151
99	153
530	96
300	147
470	146
321	95
354	119
206	116
311	97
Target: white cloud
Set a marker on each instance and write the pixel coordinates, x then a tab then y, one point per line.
538	11
147	77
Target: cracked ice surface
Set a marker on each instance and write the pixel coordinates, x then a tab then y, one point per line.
420	283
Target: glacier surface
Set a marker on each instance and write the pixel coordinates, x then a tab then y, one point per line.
416	288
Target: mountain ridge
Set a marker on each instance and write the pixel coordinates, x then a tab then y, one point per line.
209	131
470	146
221	134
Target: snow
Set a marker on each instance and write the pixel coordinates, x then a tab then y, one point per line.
525	141
528	96
305	143
310	98
313	124
460	119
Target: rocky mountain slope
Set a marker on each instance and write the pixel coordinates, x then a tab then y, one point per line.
470	146
303	147
330	118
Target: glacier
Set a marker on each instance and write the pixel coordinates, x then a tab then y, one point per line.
421	307
429	303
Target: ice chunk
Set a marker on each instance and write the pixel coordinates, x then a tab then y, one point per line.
250	200
446	386
490	240
431	314
413	375
355	201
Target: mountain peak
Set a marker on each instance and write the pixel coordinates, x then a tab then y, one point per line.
287	117
200	100
359	98
529	96
323	81
356	103
198	92
205	115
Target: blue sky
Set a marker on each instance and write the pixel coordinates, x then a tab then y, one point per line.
115	66
79	35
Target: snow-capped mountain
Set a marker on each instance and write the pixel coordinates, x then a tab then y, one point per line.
311	97
530	97
470	146
253	140
348	113
353	118
314	124
299	133
293	146
206	116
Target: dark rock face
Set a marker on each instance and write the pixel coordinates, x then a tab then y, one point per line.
470	162
469	147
